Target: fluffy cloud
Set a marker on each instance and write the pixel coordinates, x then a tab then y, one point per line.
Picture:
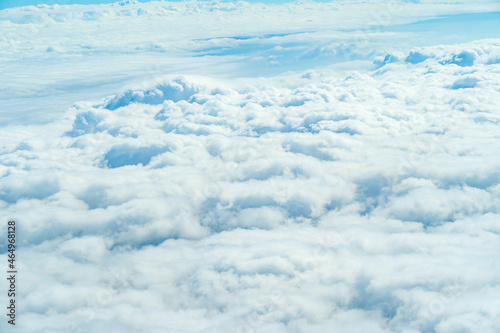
312	201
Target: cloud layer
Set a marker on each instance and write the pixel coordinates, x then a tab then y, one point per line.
322	200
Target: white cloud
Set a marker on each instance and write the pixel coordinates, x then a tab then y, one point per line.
322	199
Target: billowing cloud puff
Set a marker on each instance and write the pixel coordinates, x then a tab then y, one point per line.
318	200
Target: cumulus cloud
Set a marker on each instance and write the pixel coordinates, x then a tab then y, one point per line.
323	200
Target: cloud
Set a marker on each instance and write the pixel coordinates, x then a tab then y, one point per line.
327	199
